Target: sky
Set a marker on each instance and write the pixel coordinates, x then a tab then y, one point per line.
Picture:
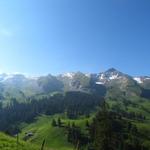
56	36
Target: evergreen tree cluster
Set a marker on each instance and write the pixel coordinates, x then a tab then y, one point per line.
15	112
109	131
58	123
76	137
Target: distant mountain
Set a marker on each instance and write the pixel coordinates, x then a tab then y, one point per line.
109	75
18	85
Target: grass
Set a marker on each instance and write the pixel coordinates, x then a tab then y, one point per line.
55	137
9	143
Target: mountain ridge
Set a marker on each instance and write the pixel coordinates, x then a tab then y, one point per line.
16	84
7	76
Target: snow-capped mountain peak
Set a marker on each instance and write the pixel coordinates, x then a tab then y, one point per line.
110	74
68	75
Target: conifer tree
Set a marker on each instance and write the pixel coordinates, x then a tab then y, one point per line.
54	123
87	124
102	130
59	122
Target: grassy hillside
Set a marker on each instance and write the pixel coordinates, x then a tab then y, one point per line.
136	105
55	137
9	143
42	129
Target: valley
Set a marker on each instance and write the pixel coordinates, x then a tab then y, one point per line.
64	110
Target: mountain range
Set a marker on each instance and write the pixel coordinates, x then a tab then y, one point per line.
19	85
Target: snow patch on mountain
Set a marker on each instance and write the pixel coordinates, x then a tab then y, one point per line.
99	83
138	79
68	75
147	78
88	75
102	76
115	76
141	79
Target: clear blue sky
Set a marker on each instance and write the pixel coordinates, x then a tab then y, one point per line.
56	36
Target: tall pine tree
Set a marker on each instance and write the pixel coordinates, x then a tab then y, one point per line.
101	130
